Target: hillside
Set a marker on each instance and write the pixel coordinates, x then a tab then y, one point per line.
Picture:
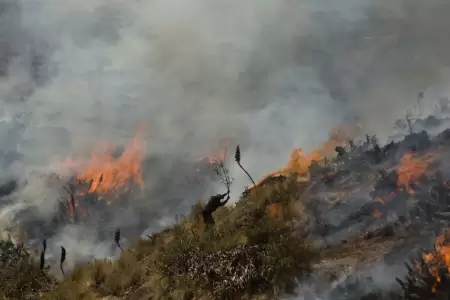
342	230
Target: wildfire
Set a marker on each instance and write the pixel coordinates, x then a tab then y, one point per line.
300	161
106	173
410	169
439	258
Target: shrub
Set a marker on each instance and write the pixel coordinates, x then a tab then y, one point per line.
254	253
21	276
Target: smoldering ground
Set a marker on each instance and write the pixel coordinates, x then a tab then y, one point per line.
270	75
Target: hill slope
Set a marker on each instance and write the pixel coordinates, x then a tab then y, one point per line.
366	210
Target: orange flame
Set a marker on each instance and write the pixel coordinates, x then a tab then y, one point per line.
300	161
107	173
435	260
411	169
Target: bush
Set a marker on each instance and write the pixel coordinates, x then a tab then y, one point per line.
253	254
21	276
248	252
102	278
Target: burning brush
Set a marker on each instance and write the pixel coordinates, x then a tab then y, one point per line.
104	175
429	276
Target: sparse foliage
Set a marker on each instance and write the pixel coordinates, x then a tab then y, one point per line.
221	170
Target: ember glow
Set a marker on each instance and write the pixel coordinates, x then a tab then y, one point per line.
411	168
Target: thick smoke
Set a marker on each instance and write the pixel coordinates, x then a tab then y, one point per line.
267	74
378	64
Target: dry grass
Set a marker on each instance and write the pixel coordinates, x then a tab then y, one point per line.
253	251
21	275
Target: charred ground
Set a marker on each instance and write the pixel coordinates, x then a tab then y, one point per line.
326	235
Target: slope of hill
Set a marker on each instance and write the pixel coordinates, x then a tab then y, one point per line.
341	231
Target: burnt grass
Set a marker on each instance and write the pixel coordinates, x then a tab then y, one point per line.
273	239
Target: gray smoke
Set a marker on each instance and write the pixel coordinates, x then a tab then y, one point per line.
270	75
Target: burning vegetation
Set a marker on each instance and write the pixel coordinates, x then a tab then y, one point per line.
108	172
107	176
348	200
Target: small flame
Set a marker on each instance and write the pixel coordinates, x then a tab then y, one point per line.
300	161
411	169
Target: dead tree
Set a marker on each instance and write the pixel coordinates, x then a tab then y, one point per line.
213	204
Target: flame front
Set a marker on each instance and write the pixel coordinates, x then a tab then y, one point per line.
411	169
107	174
300	161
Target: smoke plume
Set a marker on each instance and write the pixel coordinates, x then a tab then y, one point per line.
270	75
